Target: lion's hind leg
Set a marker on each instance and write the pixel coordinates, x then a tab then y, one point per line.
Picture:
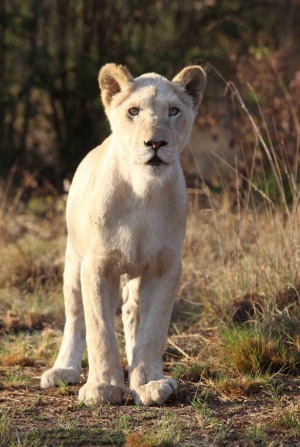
67	366
130	315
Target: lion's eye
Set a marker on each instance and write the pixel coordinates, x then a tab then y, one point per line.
134	111
173	111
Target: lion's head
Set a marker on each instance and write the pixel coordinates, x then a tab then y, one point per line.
150	116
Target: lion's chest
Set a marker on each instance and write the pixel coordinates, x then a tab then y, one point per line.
137	235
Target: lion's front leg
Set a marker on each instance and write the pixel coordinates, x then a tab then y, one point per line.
148	384
100	290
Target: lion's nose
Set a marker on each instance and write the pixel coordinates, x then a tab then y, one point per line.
156	144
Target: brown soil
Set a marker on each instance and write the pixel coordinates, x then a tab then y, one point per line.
59	420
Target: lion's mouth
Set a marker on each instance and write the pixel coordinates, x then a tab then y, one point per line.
155	161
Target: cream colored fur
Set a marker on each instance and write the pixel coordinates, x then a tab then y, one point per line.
126	216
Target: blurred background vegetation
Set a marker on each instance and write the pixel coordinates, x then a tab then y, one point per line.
51	51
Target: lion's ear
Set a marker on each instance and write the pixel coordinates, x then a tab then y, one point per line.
193	79
112	79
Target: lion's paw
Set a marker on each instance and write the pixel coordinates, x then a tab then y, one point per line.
54	376
155	392
101	393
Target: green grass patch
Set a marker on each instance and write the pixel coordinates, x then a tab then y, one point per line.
254	348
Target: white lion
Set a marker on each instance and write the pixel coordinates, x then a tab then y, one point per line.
126	214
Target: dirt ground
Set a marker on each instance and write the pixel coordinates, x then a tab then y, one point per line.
55	418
